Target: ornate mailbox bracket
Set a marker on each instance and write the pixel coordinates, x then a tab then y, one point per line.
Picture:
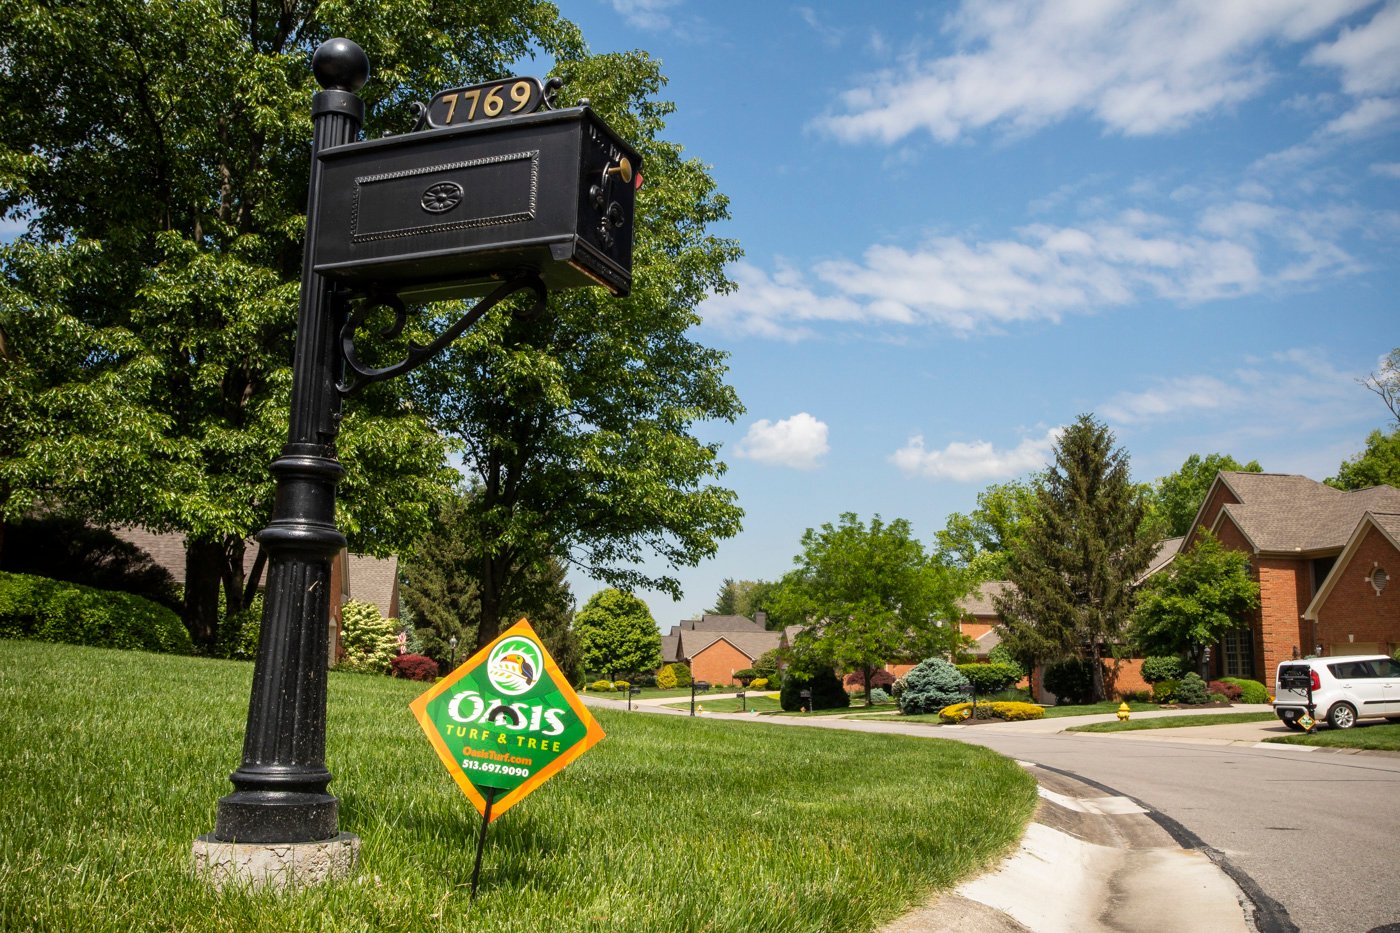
360	375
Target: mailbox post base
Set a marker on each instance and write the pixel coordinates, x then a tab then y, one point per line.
280	866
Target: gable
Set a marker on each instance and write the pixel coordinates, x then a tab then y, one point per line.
1375	544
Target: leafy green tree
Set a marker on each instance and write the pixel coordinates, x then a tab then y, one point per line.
1076	561
617	635
148	311
577	424
1176	498
869	595
440	592
1204	593
1377	465
981	540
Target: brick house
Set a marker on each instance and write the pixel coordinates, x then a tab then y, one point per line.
717	646
1317	552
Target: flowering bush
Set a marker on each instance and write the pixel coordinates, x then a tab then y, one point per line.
621	686
370	640
758	683
1004	710
882	679
602	686
1251	691
1230	691
413	667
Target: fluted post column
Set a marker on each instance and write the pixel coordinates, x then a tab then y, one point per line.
279	791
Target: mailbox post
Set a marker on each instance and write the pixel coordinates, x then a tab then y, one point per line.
536	199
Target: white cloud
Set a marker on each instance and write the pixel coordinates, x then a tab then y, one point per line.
646	14
1386	169
1043	272
1285	393
1138	69
978	461
1367	56
798	442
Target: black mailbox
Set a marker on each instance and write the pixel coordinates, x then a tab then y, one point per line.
1294	678
444	213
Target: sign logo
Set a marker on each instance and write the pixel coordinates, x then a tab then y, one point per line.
442	197
515	665
506	721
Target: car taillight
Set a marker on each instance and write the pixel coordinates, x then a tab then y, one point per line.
1316	681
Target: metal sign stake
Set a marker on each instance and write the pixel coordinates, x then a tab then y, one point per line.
490	794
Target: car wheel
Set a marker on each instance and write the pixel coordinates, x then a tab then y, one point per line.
1341	716
1293	724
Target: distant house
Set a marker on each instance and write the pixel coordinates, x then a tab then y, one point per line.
1323	558
353	576
717	646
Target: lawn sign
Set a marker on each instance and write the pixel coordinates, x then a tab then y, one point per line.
504	722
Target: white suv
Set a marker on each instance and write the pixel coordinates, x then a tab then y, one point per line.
1344	689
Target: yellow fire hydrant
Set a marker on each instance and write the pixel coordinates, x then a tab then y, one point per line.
1123	711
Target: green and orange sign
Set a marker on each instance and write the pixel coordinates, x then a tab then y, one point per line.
506	720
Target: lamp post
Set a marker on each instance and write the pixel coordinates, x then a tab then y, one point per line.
452	643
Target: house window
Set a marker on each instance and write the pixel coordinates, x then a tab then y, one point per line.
1238	646
1379	578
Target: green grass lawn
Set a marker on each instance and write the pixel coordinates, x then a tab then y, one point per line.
1091	709
1376	736
754	702
111	763
1172	722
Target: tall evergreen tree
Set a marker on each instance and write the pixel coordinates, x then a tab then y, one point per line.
1075	563
441	591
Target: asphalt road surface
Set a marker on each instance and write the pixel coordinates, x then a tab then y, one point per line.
1317	832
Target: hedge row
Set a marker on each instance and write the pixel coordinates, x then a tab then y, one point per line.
1011	712
54	610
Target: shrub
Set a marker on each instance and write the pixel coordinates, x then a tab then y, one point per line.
930	686
370	640
881	678
1072	680
673	676
622	686
1251	691
1191	690
746	675
879	696
1164	691
990	678
827	691
54	610
758	683
1157	669
1002	655
413	667
1231	692
601	686
1007	711
897	690
644	680
1136	696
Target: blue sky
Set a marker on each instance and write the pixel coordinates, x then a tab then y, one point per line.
965	224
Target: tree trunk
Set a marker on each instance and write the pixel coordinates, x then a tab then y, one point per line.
489	623
1100	690
234	547
869	674
205	562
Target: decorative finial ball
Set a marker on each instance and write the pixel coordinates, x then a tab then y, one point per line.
340	65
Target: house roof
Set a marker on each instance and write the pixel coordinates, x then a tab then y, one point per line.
1387	523
1281	513
716	623
980	602
1166	553
986	642
168	548
374	580
670	644
752	644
